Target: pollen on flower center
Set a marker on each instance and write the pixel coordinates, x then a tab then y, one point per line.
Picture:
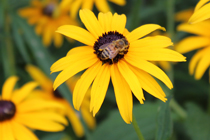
7	110
57	94
111	47
49	9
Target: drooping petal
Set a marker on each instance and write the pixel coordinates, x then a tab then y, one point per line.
192	43
28	11
156	54
88	118
91	23
39	124
58	40
184	15
73	56
123	94
105	20
142	31
151	42
150	68
149	84
203	64
7	131
102	5
200	28
84	83
200	4
77	33
48	33
195	59
118	23
37	104
200	14
8	87
131	79
75	6
119	2
87	4
99	88
23	92
73	69
40	77
22	133
75	122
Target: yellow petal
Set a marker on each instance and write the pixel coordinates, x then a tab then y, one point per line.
73	56
200	28
151	42
48	34
84	83
99	88
195	59
73	69
7	131
150	68
75	6
22	133
132	80
38	104
149	84
201	14
200	4
184	15
87	4
1	131
123	94
142	31
88	118
203	64
192	43
39	124
58	40
77	33
156	54
40	77
102	6
119	2
28	11
8	87
118	23
23	92
91	23
105	20
75	121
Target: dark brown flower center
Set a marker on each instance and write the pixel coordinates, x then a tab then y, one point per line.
7	110
57	94
49	9
111	47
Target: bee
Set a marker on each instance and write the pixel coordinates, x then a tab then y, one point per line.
111	50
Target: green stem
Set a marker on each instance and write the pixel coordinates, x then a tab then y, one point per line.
137	129
178	109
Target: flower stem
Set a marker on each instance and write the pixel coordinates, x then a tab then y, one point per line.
209	95
137	129
178	109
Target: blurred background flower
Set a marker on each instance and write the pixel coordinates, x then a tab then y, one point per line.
17	112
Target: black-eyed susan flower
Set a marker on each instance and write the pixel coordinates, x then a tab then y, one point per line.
47	16
17	112
201	60
129	69
201	12
101	5
48	94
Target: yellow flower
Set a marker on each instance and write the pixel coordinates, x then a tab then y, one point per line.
201	12
48	93
201	60
101	5
47	16
183	16
129	69
18	112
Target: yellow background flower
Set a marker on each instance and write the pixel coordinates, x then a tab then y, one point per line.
48	93
17	112
47	16
129	71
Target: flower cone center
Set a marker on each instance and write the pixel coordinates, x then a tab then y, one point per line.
50	10
7	110
111	47
57	94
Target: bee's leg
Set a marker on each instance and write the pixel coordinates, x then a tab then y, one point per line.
121	53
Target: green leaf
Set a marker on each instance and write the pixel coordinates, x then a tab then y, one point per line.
20	44
197	124
52	136
114	128
42	57
164	122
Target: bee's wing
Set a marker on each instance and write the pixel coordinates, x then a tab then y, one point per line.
102	47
